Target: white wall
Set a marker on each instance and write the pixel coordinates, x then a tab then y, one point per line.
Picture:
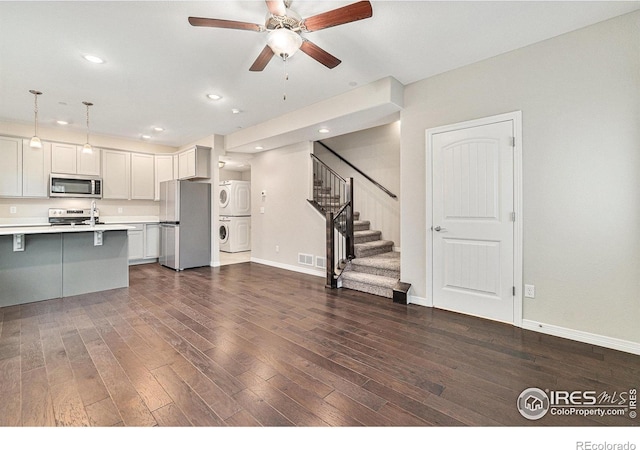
579	95
288	221
376	152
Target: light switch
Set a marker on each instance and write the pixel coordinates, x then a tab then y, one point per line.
262	210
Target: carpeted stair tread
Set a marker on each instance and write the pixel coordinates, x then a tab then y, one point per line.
389	260
373	248
361	225
366	282
363	236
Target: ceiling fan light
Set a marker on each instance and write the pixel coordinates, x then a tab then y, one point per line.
284	42
35	142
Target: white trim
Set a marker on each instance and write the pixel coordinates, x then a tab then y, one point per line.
414	300
516	117
214	264
289	267
582	336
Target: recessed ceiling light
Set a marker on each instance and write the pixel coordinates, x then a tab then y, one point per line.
62	122
236	111
214	96
158	129
94	59
323	130
146	136
259	147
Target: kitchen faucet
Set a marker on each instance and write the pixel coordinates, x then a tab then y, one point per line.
92	221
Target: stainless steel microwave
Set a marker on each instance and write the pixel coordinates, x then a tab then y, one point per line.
78	186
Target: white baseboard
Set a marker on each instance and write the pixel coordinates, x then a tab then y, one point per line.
289	267
583	336
414	300
214	264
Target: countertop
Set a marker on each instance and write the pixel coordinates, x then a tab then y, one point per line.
50	229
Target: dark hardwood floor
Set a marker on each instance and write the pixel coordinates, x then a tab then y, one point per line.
251	345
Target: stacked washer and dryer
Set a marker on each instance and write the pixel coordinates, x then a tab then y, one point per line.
234	229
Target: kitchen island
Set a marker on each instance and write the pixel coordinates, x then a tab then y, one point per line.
44	262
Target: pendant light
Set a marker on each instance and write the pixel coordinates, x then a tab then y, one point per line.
35	140
86	148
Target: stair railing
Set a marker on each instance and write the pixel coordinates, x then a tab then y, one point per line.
333	197
375	183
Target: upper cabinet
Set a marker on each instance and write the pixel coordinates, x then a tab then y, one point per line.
143	186
36	167
67	158
11	167
116	170
194	163
163	171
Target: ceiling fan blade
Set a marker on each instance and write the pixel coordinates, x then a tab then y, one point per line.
276	7
262	60
339	16
221	23
319	55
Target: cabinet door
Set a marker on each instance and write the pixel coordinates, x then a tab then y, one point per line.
187	164
88	163
116	167
142	179
64	158
36	166
164	171
11	167
136	244
151	240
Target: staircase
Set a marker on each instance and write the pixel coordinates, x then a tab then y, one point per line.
373	267
376	267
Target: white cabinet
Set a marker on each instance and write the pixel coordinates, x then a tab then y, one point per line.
116	169
88	163
11	167
36	166
143	186
64	158
194	163
68	158
144	243
163	171
136	242
151	240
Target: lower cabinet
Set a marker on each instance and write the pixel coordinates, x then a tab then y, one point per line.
144	243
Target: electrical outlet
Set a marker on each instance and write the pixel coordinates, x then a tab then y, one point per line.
529	291
13	210
277	249
119	210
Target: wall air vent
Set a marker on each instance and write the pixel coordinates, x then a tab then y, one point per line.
321	262
304	259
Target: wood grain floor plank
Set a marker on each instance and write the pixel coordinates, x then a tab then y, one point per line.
193	407
104	413
37	406
252	345
170	416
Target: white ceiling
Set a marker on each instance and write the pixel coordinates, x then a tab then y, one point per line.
159	68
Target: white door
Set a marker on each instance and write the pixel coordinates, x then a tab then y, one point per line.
473	227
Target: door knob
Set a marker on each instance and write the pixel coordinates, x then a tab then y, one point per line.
439	228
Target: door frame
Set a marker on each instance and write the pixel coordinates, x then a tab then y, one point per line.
516	117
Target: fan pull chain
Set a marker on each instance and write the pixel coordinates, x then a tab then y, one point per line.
286	78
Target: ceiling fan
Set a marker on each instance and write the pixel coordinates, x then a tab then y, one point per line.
285	28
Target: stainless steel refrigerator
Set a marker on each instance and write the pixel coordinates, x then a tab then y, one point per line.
185	224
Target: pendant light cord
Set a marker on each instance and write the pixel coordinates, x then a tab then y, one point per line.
35	110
